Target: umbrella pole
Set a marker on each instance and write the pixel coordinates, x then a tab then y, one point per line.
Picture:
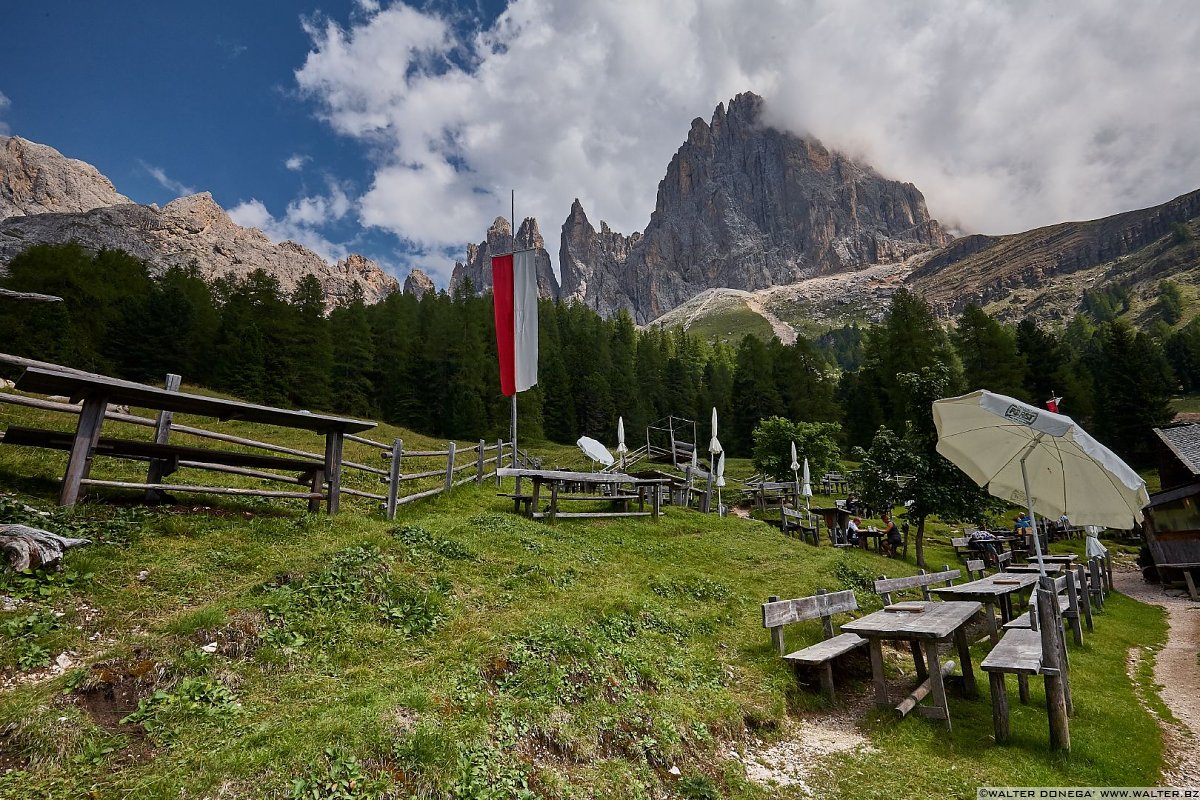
1037	540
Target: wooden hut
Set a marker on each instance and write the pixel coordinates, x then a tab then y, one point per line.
1172	526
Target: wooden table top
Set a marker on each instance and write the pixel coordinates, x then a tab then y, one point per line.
935	621
1063	559
1050	567
567	475
988	586
78	385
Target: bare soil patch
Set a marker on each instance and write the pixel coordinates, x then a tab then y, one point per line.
1177	671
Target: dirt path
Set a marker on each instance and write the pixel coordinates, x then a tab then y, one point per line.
1177	671
785	332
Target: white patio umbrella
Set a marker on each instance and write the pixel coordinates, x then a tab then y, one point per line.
595	451
795	467
806	490
1091	544
714	449
1024	453
621	448
720	479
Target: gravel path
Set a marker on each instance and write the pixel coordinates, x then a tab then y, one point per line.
1177	671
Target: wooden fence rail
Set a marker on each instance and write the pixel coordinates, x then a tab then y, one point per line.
393	478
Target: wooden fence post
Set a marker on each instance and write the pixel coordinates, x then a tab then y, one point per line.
1054	666
450	465
333	468
499	459
394	477
479	464
708	493
162	431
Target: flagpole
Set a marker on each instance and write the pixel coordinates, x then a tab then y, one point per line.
513	420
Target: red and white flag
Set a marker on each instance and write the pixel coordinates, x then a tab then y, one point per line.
515	295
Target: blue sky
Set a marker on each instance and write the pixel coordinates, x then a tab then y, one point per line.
397	130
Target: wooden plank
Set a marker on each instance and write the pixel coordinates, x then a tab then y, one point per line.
937	687
419	495
937	621
1053	668
1018	652
799	609
826	649
923	690
776	630
999	706
75	384
397	456
181	487
915	581
333	469
450	464
589	514
361	440
162	431
877	677
566	475
91	417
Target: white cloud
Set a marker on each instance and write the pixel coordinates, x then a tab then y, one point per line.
1007	116
5	104
301	221
165	181
296	162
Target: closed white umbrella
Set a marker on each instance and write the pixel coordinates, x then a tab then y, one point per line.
621	448
795	462
807	489
1024	453
714	444
720	482
795	466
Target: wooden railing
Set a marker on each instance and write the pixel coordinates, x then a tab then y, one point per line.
424	465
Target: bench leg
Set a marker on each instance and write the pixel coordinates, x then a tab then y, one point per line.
317	484
993	632
999	706
881	692
87	433
964	654
827	680
333	469
918	660
1023	688
937	686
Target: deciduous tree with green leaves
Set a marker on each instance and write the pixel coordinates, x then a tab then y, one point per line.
816	441
899	468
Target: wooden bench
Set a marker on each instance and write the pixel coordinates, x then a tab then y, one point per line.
174	456
884	586
807	525
1069	605
1018	653
962	547
975	569
778	613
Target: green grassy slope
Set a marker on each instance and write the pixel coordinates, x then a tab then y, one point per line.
466	652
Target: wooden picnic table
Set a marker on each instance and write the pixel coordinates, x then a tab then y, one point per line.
992	590
1049	567
924	627
835	519
1066	558
597	487
97	391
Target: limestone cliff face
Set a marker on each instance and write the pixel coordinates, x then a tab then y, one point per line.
478	267
745	206
418	284
36	179
594	264
59	200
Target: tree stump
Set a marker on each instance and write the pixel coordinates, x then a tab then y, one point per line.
28	548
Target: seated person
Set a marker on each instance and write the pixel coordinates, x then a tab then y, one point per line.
985	543
1023	524
852	531
891	536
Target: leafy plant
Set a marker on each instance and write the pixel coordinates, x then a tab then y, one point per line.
339	777
418	540
25	633
192	697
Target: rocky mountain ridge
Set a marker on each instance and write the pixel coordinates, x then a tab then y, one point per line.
745	206
499	240
46	198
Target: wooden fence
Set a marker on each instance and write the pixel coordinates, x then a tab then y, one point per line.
444	469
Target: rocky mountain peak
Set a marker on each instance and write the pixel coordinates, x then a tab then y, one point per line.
499	240
418	284
745	206
46	198
36	179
